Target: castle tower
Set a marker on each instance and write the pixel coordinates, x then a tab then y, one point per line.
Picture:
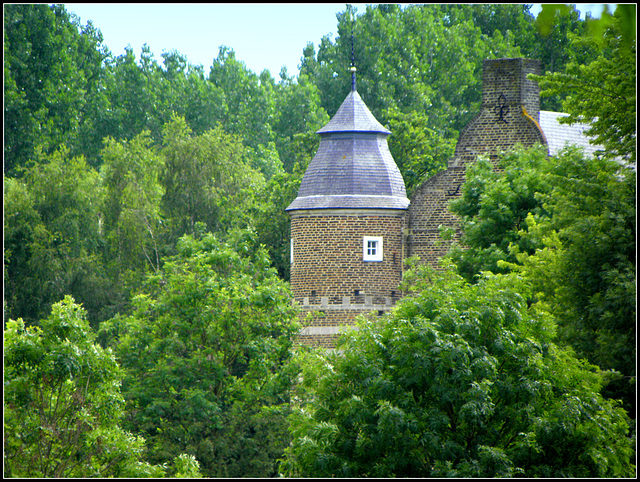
347	225
509	115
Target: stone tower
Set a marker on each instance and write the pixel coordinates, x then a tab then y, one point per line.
347	225
509	115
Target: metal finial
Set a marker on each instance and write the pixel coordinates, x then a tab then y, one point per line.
353	56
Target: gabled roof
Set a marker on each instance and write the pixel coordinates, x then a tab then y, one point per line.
559	135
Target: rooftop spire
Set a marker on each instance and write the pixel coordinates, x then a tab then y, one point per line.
353	56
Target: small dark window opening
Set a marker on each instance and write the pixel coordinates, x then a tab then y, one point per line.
380	313
356	292
393	293
313	293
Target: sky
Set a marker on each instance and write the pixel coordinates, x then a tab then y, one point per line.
262	35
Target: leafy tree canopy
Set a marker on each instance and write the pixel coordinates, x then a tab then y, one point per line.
62	403
460	381
51	236
566	223
54	84
205	354
602	93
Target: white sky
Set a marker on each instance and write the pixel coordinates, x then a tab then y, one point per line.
263	35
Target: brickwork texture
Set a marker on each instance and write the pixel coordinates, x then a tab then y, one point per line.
509	116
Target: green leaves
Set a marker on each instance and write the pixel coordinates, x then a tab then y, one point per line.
602	93
584	269
494	207
461	380
52	236
205	178
419	151
567	225
63	402
205	353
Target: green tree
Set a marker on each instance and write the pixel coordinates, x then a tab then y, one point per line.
271	222
206	179
52	238
248	104
601	93
131	178
54	83
460	381
494	206
512	20
583	270
297	111
187	467
567	224
205	354
134	96
184	90
419	151
408	59
62	403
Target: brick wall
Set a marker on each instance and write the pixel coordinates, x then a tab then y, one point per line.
428	210
509	116
329	275
327	255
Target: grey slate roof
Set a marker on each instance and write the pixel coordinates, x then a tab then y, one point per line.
353	168
353	115
559	135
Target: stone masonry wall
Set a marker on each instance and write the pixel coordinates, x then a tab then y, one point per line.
509	116
327	256
329	277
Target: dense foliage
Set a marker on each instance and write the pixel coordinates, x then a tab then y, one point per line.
568	225
460	381
205	357
152	191
62	403
602	93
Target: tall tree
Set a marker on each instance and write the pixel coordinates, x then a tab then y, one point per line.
185	91
567	224
132	224
511	20
206	179
584	270
205	354
494	206
247	105
53	84
602	93
133	90
418	150
62	403
407	58
297	111
52	237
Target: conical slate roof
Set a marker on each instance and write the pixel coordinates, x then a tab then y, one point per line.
353	116
353	168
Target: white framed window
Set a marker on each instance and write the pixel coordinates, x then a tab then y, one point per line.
372	248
